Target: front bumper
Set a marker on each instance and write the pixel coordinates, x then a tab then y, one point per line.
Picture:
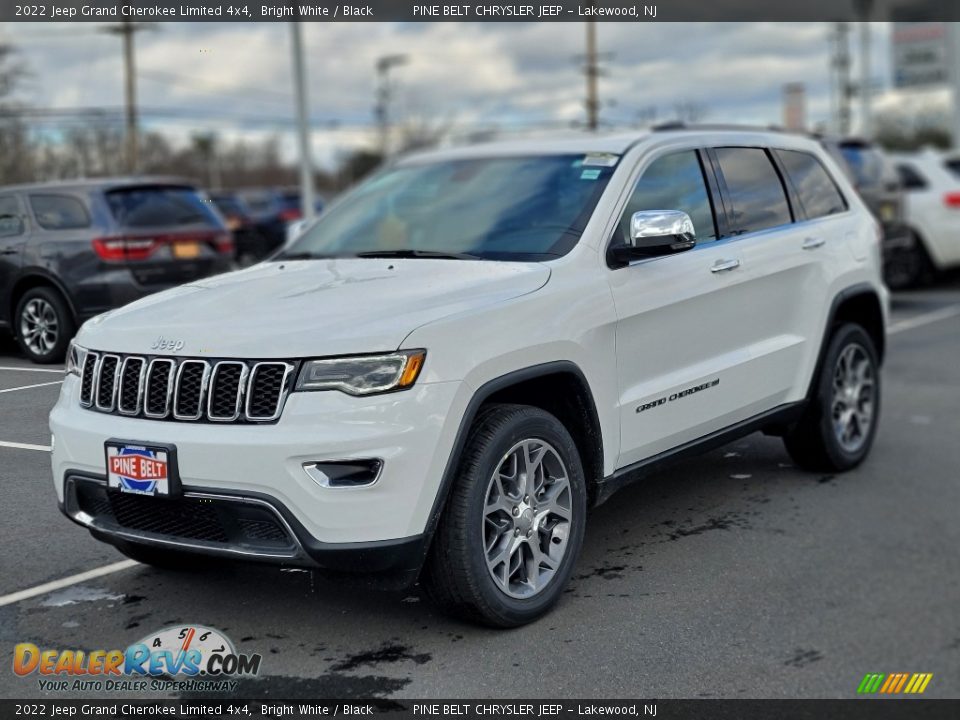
263	466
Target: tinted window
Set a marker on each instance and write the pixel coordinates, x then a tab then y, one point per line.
59	212
953	166
910	177
496	208
818	193
673	182
11	222
755	191
158	206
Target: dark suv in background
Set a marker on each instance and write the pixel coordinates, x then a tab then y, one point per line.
72	250
877	181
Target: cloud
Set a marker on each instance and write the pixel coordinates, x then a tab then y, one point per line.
235	78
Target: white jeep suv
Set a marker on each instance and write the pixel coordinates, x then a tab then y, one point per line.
473	348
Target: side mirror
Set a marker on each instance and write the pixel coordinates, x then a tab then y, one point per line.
654	233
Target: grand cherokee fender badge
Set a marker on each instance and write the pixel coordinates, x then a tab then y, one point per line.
677	395
169	345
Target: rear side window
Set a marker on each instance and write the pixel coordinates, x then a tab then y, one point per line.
11	222
911	177
159	206
953	166
754	190
673	182
817	190
59	212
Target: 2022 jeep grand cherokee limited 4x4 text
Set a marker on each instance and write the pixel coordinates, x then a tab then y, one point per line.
471	349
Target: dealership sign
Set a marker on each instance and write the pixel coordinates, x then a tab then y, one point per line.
920	54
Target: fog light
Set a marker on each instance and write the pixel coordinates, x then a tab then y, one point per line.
344	473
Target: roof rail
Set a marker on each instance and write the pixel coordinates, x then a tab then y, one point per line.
679	125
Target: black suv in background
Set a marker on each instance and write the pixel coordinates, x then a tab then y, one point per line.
877	181
72	250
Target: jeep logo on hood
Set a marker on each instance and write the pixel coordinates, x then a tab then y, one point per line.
171	345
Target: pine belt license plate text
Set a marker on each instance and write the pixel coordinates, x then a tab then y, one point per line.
139	469
186	250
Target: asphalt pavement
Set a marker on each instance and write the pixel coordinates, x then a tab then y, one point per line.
733	574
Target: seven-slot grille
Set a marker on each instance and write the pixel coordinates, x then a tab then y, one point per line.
186	389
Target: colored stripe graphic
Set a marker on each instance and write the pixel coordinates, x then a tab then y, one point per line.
894	683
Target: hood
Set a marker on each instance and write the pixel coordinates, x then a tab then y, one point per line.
309	308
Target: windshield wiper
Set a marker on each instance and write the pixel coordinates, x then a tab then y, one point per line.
417	254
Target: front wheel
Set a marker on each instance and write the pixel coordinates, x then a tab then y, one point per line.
513	526
839	425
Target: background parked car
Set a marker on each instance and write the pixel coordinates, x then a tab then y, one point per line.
932	184
876	180
72	250
271	211
250	245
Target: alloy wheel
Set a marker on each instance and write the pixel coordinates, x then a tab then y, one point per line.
527	518
39	326
854	397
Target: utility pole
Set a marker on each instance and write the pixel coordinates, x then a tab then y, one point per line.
592	71
307	205
840	67
863	8
382	108
126	30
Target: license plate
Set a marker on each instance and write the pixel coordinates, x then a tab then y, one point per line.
141	469
186	250
888	212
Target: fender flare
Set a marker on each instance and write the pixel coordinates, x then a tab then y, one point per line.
484	392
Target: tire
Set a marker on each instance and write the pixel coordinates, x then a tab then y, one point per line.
165	559
489	513
43	325
825	443
908	267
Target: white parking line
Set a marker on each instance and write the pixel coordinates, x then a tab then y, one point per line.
25	446
66	582
924	319
27	387
32	369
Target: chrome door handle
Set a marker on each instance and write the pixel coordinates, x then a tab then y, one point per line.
812	243
724	265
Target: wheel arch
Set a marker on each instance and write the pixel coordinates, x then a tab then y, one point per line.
38	278
576	409
860	304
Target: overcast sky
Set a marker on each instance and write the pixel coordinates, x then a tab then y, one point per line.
235	78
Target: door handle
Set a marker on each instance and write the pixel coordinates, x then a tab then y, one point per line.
724	265
9	252
812	243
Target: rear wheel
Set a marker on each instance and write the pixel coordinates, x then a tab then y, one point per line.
838	427
908	266
44	325
513	526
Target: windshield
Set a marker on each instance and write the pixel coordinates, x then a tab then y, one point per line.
517	208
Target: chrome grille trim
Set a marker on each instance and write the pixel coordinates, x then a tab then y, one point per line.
204	379
284	390
191	384
167	395
141	377
99	383
90	361
241	390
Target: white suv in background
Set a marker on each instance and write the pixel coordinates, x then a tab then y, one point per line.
931	183
473	348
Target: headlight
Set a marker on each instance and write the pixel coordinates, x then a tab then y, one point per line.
363	374
75	357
